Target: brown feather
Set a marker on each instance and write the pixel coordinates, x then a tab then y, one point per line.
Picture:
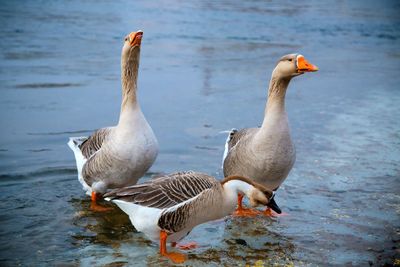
94	142
166	191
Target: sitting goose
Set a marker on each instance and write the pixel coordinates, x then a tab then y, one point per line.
267	154
166	209
118	156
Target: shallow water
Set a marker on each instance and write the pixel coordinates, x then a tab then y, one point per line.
205	68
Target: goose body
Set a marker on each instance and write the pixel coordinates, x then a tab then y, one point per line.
267	160
176	203
118	156
267	154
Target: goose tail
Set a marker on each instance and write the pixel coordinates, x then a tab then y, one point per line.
74	143
228	139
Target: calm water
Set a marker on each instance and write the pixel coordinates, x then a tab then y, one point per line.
205	67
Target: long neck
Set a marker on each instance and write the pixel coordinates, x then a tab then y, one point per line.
129	74
232	188
275	107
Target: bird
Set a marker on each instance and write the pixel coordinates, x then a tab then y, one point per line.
167	208
118	156
267	153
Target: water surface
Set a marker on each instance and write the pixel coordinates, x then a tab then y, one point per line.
205	67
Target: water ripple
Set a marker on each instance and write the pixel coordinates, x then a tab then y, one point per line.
46	85
42	172
63	133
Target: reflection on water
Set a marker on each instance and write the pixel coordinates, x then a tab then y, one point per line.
253	240
102	228
205	68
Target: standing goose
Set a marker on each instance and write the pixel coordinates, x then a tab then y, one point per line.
267	154
166	209
118	156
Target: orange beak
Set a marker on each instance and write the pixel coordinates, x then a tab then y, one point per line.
304	66
135	38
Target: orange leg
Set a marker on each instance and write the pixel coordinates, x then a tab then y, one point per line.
173	256
242	212
96	207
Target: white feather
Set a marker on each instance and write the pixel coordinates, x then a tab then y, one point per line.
145	219
226	151
74	143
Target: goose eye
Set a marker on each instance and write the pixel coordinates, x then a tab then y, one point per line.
126	39
290	59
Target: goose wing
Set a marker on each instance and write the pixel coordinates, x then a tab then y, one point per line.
94	142
192	212
236	136
233	139
236	149
167	191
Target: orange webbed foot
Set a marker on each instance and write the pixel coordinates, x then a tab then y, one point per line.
175	257
242	212
270	213
188	246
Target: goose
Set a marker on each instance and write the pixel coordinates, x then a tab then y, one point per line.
267	153
118	156
167	208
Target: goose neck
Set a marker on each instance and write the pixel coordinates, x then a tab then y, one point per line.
233	187
129	75
277	92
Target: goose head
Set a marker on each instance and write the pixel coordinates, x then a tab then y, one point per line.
260	195
257	193
132	42
293	65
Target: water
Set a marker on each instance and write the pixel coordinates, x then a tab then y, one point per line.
205	67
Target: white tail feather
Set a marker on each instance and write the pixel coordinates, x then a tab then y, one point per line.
226	151
74	143
144	219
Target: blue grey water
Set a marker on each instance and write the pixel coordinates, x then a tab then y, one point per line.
205	68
